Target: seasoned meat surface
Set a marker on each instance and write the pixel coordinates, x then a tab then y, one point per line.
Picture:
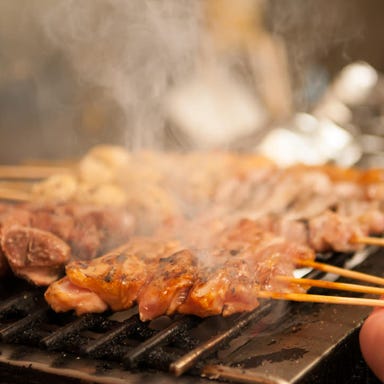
166	278
330	231
220	227
226	288
64	296
34	254
118	276
169	285
37	237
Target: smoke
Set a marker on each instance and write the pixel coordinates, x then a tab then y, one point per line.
135	49
321	38
138	50
121	57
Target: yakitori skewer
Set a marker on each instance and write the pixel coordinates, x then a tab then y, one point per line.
331	285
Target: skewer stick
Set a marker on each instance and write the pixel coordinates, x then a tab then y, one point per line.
30	172
341	271
14	194
332	285
305	297
23	185
369	240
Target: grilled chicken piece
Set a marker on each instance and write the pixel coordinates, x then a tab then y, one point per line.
89	230
292	230
163	278
267	254
118	276
275	258
325	232
331	231
37	241
169	285
104	227
225	289
249	234
63	296
34	254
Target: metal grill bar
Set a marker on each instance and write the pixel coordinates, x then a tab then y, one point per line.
132	358
57	339
22	301
190	359
10	332
124	329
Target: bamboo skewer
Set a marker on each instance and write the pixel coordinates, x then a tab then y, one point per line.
341	271
19	191
369	240
30	172
13	194
309	298
332	285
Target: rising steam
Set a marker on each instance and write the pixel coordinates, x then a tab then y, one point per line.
134	52
135	49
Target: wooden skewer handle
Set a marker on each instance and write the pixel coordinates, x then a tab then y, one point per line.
305	297
341	271
332	285
369	240
14	195
30	172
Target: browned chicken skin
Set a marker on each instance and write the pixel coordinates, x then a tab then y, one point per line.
118	276
34	254
37	241
225	289
239	222
163	278
64	296
169	285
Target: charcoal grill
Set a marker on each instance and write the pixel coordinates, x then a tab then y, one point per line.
277	343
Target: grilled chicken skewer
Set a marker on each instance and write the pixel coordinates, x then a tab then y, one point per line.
308	218
118	276
166	278
329	231
234	182
115	278
246	184
179	281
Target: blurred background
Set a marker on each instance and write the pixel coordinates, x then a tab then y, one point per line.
179	74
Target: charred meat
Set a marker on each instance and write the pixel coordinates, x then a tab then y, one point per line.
38	241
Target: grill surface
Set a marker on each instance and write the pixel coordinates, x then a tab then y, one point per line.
277	343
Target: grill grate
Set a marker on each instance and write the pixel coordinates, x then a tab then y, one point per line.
273	343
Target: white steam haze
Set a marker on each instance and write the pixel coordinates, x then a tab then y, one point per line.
140	50
135	49
119	58
148	55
